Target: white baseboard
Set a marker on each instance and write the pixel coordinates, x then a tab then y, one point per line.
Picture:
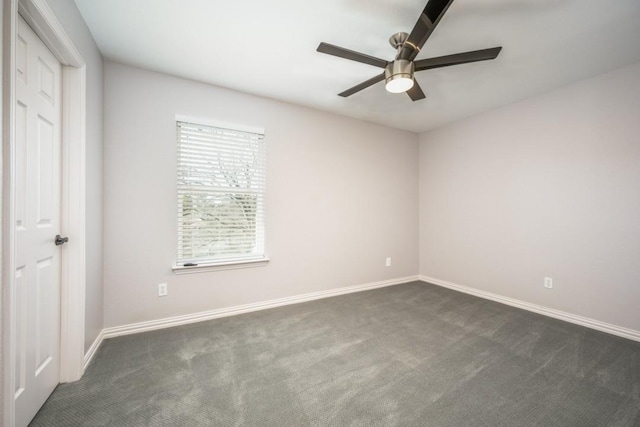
169	322
556	314
92	350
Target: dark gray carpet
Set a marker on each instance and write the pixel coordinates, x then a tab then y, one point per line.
407	355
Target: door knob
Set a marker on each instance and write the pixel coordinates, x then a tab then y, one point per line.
61	240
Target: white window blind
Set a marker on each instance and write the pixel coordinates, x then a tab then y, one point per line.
221	187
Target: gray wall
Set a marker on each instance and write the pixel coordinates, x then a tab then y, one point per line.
549	186
341	196
74	25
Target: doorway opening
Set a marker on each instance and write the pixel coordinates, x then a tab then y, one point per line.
43	21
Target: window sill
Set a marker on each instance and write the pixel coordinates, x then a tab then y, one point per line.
227	265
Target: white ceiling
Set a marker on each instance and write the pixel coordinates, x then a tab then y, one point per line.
268	48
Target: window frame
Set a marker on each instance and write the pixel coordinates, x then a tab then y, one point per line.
230	262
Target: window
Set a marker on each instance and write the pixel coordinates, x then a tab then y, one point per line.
221	187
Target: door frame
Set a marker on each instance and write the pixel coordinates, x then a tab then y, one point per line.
43	21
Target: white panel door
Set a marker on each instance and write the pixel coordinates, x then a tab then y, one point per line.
37	293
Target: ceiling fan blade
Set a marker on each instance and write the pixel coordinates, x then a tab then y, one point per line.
363	85
416	93
427	22
457	58
350	54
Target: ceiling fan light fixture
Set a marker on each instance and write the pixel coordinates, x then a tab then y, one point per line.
399	76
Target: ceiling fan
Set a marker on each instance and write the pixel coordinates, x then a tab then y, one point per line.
398	74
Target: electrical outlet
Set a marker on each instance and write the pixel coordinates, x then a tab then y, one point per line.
388	262
163	289
548	282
